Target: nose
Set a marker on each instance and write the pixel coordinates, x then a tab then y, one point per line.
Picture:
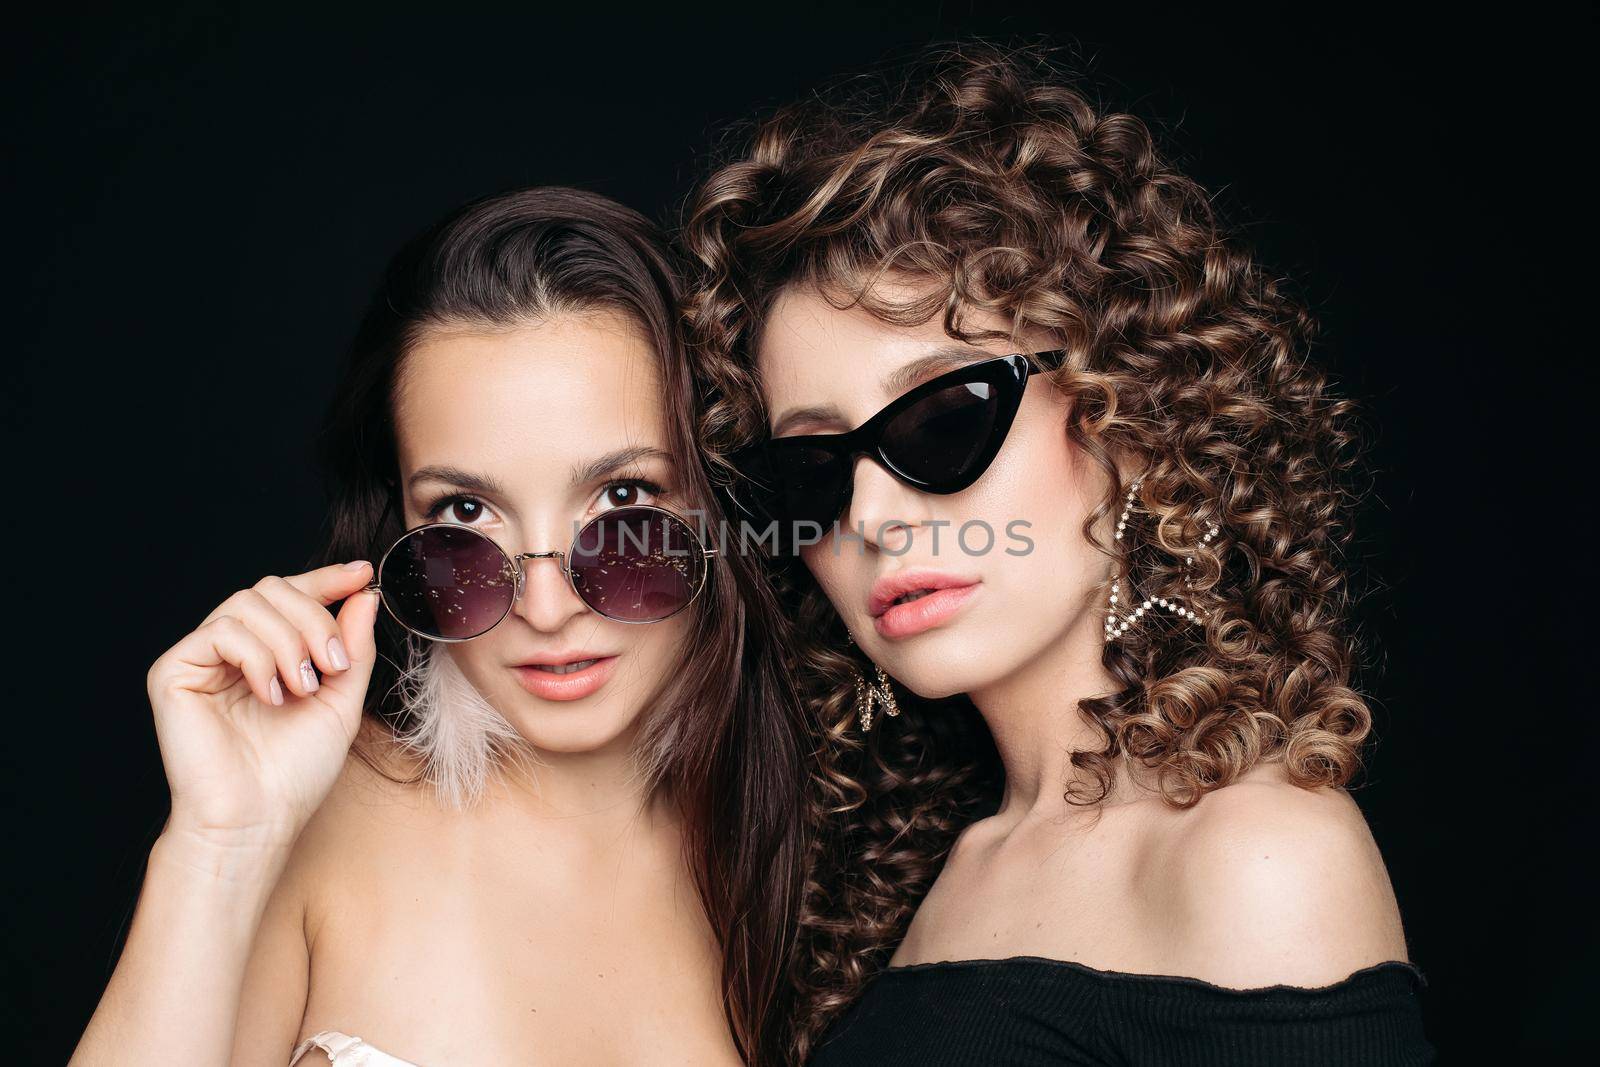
882	509
546	600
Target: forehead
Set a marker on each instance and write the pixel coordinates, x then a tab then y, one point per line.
803	325
542	393
810	352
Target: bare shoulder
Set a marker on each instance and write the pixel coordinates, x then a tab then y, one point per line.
1268	882
373	805
277	980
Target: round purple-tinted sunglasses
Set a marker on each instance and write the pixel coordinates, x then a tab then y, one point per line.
448	582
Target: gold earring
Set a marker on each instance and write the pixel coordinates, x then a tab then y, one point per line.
866	695
879	693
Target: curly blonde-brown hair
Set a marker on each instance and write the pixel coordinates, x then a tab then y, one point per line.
981	173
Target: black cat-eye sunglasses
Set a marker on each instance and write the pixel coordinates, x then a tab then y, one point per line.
938	437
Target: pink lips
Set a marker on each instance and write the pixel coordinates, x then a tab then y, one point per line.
946	595
574	686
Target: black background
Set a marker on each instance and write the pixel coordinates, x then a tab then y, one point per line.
199	204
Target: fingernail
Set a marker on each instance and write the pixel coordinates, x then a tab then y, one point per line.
336	653
276	690
308	676
355	565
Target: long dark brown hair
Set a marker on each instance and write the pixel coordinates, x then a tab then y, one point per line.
984	173
723	738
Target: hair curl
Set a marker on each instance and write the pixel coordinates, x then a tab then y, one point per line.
982	173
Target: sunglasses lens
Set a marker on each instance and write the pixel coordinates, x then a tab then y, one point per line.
941	442
944	440
804	483
637	565
448	582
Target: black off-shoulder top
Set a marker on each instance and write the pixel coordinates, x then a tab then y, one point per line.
1029	1011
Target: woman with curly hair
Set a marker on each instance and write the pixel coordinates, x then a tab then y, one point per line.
1050	482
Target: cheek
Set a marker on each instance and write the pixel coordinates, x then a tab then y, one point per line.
1035	499
1033	482
1042	469
473	660
664	641
838	575
652	654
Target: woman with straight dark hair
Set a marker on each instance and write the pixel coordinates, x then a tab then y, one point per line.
1061	500
543	806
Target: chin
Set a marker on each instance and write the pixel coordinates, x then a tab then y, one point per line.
943	665
568	730
935	675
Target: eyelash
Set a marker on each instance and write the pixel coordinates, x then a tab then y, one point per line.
433	510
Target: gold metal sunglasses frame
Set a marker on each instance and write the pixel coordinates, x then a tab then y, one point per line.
514	566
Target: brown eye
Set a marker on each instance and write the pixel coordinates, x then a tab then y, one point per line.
629	493
463	510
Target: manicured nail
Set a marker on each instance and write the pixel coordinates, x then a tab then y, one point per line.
308	676
355	565
276	690
337	654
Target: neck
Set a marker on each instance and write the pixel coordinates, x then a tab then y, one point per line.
595	792
589	813
597	787
1034	717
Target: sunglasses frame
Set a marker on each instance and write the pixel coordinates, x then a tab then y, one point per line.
867	439
514	563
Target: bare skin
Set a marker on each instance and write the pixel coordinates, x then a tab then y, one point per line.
296	889
1262	882
510	934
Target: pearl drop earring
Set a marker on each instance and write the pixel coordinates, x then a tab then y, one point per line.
1117	626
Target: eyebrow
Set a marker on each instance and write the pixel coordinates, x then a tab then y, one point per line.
596	469
901	379
582	473
457	477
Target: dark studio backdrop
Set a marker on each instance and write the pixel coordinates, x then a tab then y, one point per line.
199	205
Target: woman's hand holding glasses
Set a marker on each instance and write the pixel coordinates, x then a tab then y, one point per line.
251	738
